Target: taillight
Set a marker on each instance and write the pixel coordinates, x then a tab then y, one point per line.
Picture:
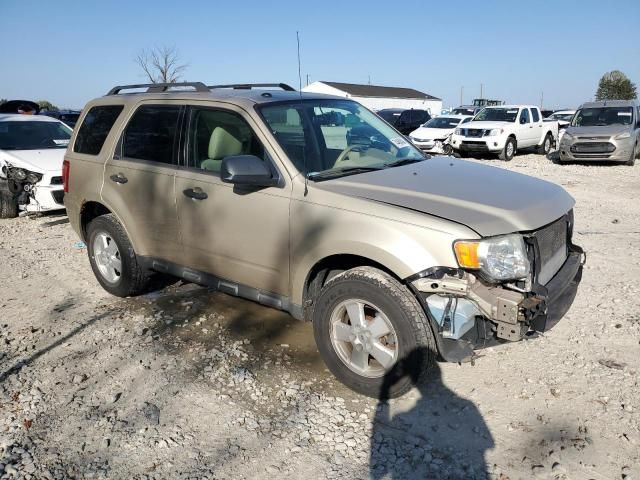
66	166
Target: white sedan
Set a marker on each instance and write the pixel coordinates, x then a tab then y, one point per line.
433	136
32	149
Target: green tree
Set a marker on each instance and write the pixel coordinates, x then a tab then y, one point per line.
615	85
47	105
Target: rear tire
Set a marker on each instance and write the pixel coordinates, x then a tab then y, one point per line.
388	324
545	147
508	151
113	260
8	205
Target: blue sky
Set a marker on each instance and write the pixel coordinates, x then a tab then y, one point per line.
71	51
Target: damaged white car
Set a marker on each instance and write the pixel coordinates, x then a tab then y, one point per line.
433	136
31	153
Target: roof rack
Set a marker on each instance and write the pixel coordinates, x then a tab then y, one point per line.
160	87
249	86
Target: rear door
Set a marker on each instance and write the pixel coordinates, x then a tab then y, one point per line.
236	233
538	125
139	179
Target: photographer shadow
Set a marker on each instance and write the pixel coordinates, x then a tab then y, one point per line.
439	435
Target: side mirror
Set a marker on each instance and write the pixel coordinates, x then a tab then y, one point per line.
246	170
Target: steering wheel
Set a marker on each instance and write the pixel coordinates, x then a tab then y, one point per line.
345	153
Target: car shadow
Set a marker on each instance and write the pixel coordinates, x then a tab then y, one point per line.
438	435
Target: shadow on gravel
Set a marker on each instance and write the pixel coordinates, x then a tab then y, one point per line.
34	356
53	223
439	435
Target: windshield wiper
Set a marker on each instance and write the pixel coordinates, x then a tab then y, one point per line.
404	161
340	172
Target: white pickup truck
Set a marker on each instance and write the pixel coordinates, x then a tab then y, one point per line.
503	130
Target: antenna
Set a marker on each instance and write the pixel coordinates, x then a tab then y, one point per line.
304	156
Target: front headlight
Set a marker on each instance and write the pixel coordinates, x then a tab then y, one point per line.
33	177
458	131
493	132
622	136
18	174
566	137
499	258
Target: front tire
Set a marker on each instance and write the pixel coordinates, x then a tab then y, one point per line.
112	258
8	205
365	324
509	150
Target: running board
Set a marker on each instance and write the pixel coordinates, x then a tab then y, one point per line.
262	297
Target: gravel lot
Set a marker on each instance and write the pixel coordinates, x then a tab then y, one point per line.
191	384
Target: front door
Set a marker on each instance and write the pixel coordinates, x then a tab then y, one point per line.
238	234
525	139
139	180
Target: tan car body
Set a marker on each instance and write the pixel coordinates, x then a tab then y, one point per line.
270	239
267	243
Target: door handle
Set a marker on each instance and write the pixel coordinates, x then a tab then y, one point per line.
119	178
195	193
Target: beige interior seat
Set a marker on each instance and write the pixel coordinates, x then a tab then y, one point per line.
224	142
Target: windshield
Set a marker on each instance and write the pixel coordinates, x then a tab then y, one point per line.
22	135
390	116
602	116
561	116
442	122
497	115
463	111
330	138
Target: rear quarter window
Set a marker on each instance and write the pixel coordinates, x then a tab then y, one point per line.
95	128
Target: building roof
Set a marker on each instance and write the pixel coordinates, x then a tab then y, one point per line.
379	91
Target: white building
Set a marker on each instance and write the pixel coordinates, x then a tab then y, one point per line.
376	97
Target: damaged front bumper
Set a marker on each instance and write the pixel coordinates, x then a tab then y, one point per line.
468	314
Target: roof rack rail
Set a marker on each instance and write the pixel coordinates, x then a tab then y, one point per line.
159	87
249	86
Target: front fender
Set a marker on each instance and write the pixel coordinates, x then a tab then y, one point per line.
404	248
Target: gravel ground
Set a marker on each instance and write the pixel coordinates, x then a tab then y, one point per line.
186	383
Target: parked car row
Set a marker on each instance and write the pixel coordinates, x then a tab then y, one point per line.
601	131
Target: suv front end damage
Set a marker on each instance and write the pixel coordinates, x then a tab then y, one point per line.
469	310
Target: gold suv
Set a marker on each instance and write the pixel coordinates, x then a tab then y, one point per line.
314	205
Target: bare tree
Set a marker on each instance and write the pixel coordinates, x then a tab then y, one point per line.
161	64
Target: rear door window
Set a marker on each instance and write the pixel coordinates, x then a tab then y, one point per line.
535	115
524	116
152	134
95	128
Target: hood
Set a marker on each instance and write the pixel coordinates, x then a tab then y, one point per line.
485	124
39	161
489	200
606	131
432	133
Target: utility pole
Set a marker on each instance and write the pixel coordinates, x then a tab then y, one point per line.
369	79
481	88
461	94
541	99
307	79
